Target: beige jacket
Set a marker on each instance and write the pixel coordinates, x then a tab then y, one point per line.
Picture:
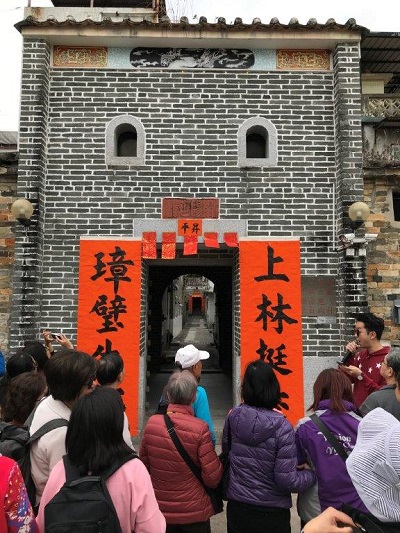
49	449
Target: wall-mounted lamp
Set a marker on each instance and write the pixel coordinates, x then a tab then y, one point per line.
359	212
22	211
353	243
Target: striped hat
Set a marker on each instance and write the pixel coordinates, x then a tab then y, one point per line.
374	464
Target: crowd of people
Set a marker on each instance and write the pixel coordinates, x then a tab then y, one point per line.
63	426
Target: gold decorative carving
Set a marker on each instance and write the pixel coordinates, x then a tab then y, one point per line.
79	56
303	59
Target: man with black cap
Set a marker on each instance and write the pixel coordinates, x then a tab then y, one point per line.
190	358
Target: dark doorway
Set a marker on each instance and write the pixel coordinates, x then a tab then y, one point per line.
217	371
197	307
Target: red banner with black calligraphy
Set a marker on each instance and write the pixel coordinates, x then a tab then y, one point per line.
109	308
271	316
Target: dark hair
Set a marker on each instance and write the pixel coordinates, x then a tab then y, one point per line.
372	323
333	385
37	351
67	372
94	436
15	365
22	395
260	387
19	363
109	367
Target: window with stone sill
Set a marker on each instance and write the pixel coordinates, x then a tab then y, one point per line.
257	143
125	142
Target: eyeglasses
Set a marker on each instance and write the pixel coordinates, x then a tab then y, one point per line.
357	331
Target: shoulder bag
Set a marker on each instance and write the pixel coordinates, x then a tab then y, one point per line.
215	495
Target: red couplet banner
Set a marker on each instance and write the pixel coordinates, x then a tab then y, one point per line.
109	308
271	316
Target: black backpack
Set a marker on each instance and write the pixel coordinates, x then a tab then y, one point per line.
15	443
83	504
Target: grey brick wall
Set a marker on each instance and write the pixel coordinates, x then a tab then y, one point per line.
347	97
27	278
191	120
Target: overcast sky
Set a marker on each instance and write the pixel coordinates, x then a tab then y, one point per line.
366	12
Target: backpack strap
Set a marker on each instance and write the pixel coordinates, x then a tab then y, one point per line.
47	427
329	436
109	471
72	472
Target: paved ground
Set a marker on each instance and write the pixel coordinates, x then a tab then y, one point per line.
219	390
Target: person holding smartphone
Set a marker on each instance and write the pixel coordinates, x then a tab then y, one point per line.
364	365
59	338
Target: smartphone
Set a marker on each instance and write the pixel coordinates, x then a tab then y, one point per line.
54	335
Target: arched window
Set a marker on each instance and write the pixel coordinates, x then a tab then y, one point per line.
257	143
125	142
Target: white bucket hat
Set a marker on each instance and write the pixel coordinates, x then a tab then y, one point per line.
190	355
374	464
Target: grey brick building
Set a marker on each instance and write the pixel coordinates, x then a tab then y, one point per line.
194	100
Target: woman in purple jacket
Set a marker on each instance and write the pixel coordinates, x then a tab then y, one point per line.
263	463
333	403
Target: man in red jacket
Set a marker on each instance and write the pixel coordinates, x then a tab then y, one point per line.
363	367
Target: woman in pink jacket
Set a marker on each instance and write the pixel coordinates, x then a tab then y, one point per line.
180	495
94	441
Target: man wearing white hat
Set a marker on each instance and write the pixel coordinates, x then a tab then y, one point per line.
189	357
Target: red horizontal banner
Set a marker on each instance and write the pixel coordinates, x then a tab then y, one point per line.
190	226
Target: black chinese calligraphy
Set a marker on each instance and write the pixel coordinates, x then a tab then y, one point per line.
276	315
185	227
109	311
99	267
101	350
271	260
282	404
275	357
118	267
189	228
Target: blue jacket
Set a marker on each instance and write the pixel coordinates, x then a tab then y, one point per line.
334	484
200	407
263	461
202	410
